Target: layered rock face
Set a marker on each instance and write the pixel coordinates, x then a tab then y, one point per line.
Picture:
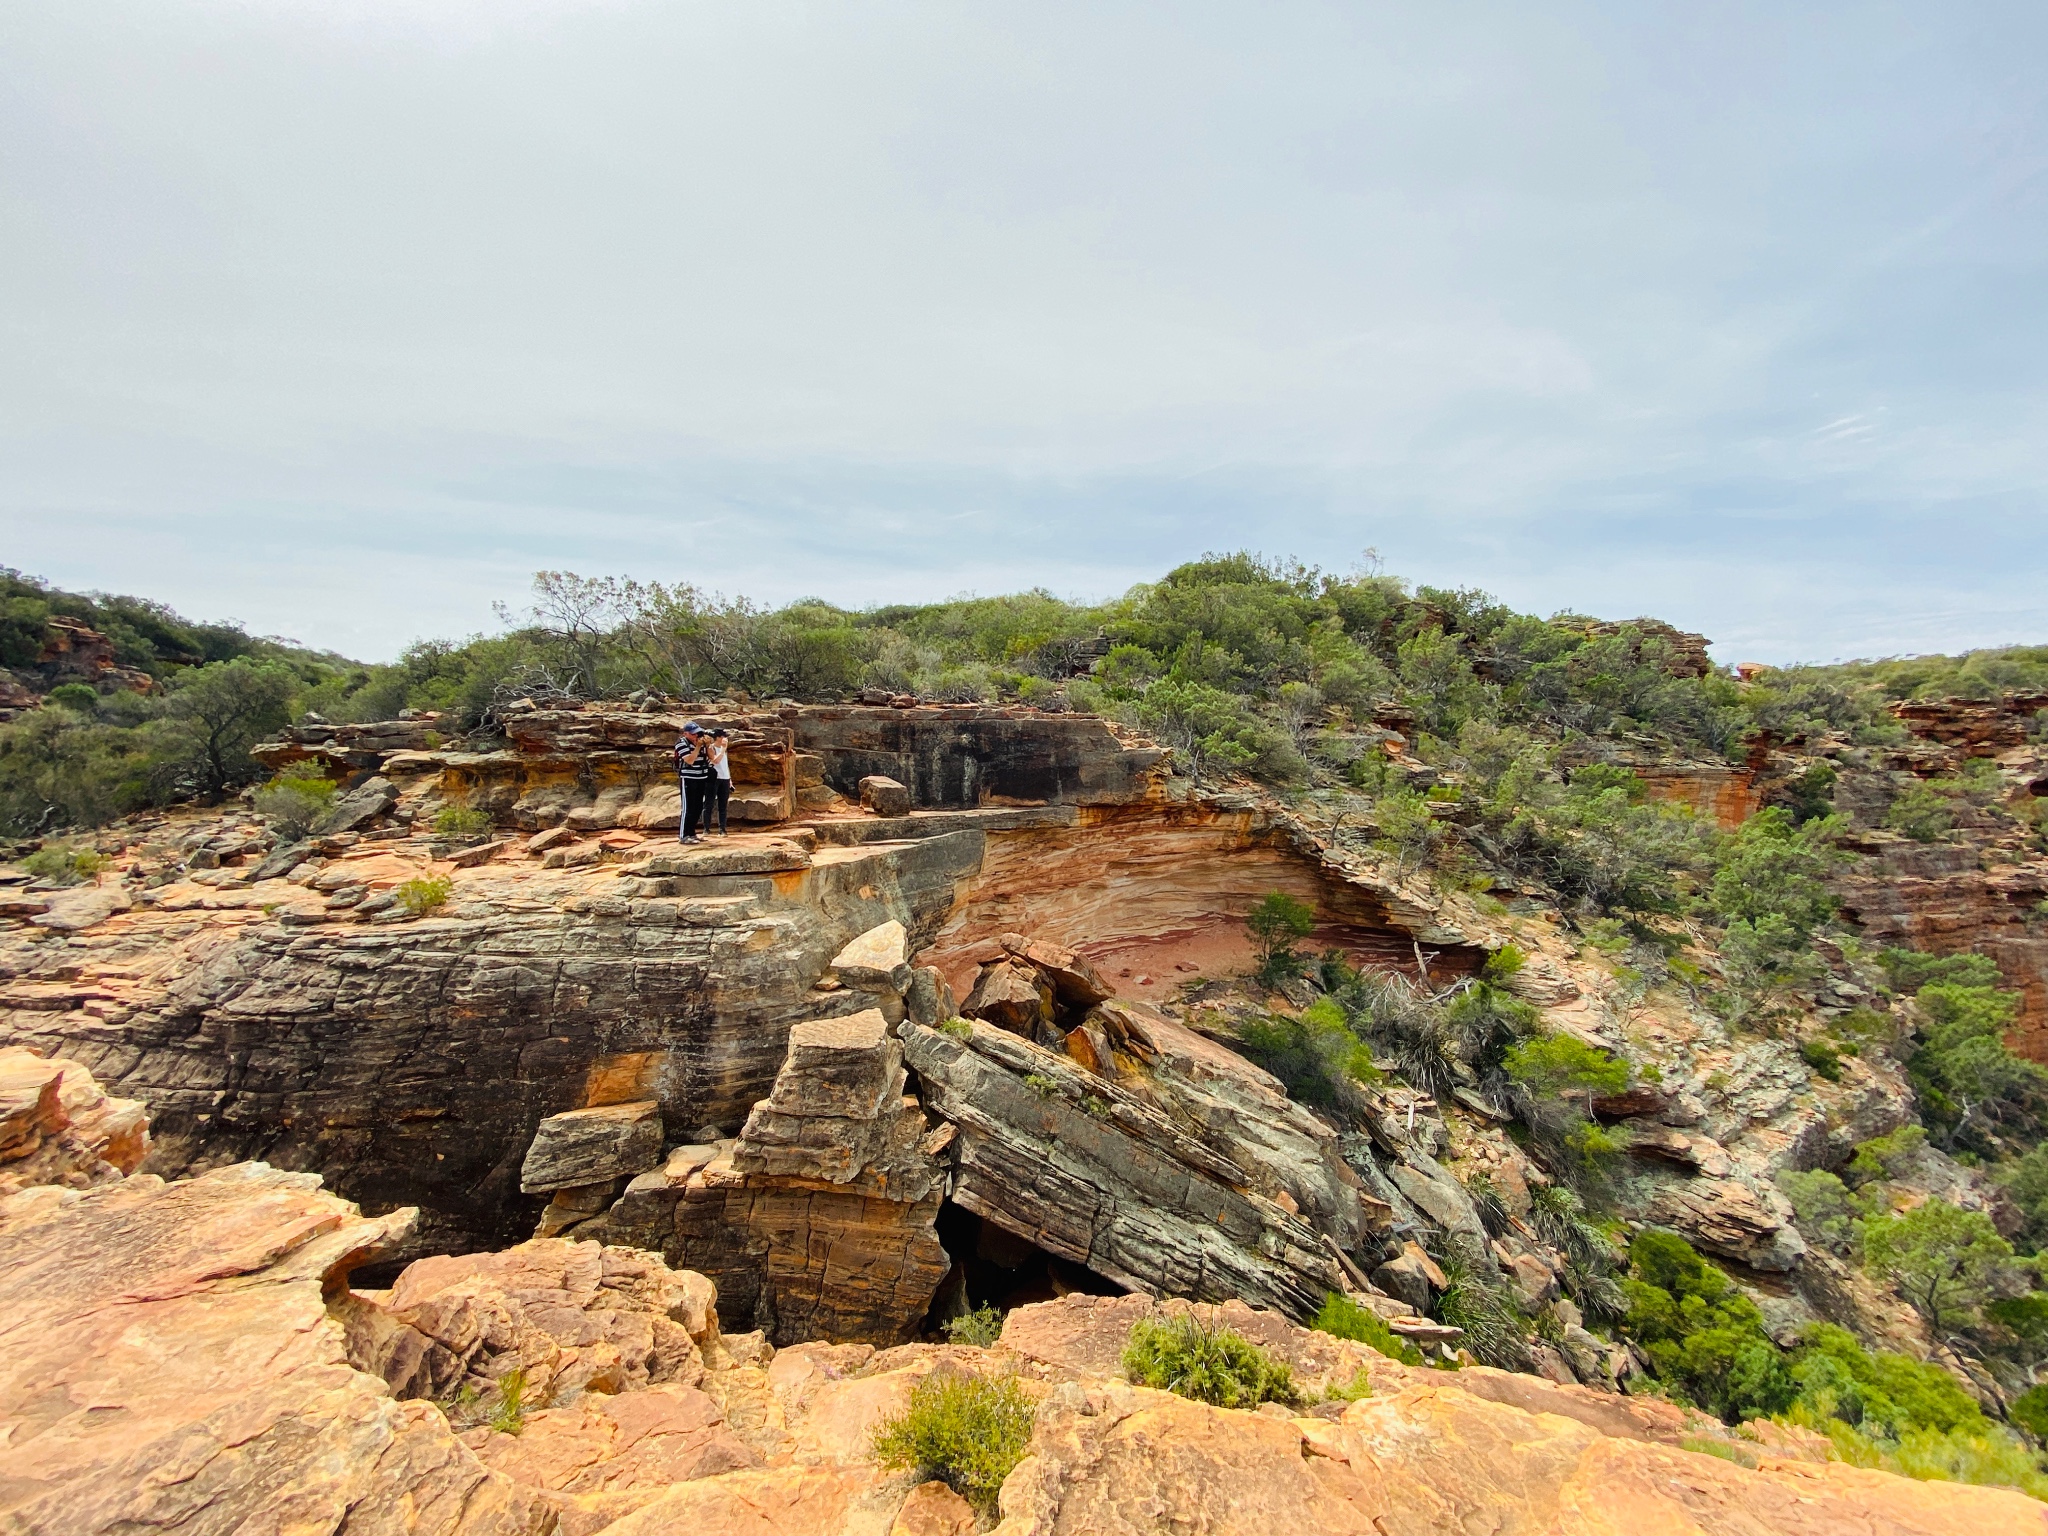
191	1357
282	1002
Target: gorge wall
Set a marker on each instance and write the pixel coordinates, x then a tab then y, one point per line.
277	1003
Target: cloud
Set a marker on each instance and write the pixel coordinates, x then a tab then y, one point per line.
342	318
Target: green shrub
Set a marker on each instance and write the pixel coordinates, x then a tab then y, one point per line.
1880	1392
968	1431
425	893
295	799
509	1417
1344	1318
63	865
1275	923
1887	1156
1210	1365
74	696
1825	1060
1945	1260
461	821
981	1327
1316	1056
1705	1339
2030	1411
1921	812
957	1027
1554	1065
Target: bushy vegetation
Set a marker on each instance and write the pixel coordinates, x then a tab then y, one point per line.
295	799
1974	1094
86	757
1343	1318
980	1328
968	1431
425	893
1183	1355
1708	1346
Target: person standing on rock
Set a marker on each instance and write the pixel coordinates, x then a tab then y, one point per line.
721	783
695	776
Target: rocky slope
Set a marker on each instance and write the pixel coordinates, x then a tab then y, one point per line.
192	1356
869	1066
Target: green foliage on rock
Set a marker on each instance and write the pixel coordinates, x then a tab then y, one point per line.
1276	921
1343	1318
1705	1339
980	1328
1944	1260
1316	1056
967	1431
1211	1365
295	799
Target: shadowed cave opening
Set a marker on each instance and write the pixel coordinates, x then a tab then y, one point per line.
993	1266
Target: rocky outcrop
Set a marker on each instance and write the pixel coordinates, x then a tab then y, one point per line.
819	1220
169	1363
190	1357
57	1126
1098	1172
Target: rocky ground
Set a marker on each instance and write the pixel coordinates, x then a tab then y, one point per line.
192	1356
769	1110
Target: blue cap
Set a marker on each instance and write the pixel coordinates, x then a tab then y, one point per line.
692	728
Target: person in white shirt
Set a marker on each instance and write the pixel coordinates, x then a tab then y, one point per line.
721	786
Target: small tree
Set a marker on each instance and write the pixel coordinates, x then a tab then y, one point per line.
1275	923
225	709
1556	1065
1946	1261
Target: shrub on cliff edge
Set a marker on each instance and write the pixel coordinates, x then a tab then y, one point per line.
968	1431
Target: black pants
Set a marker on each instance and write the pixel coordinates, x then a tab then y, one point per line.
720	796
695	793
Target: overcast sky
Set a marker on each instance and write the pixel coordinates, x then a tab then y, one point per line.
342	318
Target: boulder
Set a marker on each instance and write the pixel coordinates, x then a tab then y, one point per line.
87	906
1728	1218
928	998
368	800
1405	1278
877	961
196	1314
590	1146
771	856
1075	983
884	796
1104	1175
838	1113
1011	996
58	1126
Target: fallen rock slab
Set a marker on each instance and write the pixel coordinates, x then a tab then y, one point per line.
590	1146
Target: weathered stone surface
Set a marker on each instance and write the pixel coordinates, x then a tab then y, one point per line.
169	1364
368	800
588	1146
88	906
879	959
1114	1460
1011	996
933	1509
838	1114
767	856
884	796
1096	1174
969	755
57	1126
1727	1217
572	1317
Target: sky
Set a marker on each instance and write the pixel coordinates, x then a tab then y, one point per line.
340	317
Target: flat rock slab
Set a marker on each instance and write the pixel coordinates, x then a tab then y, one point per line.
878	958
773	857
884	796
170	1366
590	1146
75	910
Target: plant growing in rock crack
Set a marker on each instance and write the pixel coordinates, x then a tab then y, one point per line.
968	1431
957	1027
1343	1318
425	893
461	821
1276	922
1185	1356
509	1416
1041	1084
1495	1330
980	1328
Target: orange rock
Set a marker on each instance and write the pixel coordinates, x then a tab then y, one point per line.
933	1509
